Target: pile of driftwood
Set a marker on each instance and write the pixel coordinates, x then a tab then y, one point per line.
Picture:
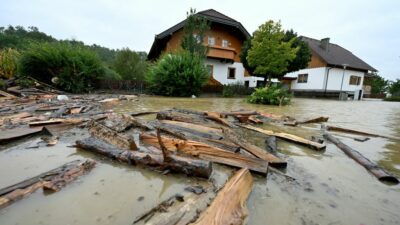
177	141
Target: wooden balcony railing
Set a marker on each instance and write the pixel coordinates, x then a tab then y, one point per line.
219	52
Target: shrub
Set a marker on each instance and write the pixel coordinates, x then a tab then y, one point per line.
392	99
75	67
272	95
129	65
25	82
2	85
236	89
180	74
8	62
394	88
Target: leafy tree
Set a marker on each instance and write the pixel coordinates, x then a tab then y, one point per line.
180	74
394	88
193	33
269	54
379	85
8	62
19	38
129	65
243	56
303	55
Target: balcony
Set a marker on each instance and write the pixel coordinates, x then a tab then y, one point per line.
218	52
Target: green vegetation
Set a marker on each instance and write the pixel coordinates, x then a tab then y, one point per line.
193	33
75	68
8	62
130	65
272	95
394	88
2	85
392	99
180	74
236	89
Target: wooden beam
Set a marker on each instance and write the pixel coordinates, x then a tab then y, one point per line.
17	133
110	136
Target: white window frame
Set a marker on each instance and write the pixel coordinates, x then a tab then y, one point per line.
211	41
225	43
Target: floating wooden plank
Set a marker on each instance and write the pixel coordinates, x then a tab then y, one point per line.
17	116
195	129
351	131
110	136
188	166
17	133
143	113
229	207
239	113
207	152
52	180
377	171
260	153
57	121
182	117
288	137
320	119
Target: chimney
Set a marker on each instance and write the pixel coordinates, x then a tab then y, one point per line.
324	43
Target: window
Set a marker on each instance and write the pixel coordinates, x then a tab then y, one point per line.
211	41
355	80
302	78
225	43
231	73
210	69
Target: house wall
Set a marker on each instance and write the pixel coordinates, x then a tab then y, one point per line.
220	72
317	79
316	61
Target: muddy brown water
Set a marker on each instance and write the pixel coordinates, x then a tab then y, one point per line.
330	189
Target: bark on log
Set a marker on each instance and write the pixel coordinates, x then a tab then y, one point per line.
288	137
188	166
17	133
207	152
52	180
229	207
377	171
110	136
260	153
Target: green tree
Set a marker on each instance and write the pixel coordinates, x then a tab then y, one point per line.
394	88
8	62
303	55
269	54
243	55
180	74
129	65
379	85
193	33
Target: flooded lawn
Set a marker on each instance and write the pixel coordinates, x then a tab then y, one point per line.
330	188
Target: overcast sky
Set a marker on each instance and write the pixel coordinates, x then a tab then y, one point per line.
370	29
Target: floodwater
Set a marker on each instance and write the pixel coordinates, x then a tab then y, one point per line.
330	188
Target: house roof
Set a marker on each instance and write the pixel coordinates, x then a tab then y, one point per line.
336	55
211	15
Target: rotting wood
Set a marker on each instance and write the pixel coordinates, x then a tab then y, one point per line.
110	136
207	152
229	207
52	180
377	171
320	119
288	137
186	165
272	160
17	133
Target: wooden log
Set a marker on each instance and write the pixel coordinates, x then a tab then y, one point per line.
182	117
8	95
179	164
217	117
7	136
255	120
351	131
207	152
288	137
229	207
270	141
188	111
191	129
377	171
110	136
320	119
239	113
57	121
14	117
52	180
143	113
260	153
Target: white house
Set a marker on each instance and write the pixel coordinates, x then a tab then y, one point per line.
224	41
332	70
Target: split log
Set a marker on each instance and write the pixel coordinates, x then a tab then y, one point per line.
188	166
217	117
17	133
351	131
143	113
229	207
125	122
207	152
182	117
110	136
52	180
194	129
320	119
57	121
288	137
255	150
242	119
239	113
377	171
255	120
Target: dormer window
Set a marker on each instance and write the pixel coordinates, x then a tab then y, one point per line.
211	41
225	43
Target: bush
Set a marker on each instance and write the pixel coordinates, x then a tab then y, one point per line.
180	74
394	88
392	99
129	65
76	68
8	62
272	95
25	82
236	89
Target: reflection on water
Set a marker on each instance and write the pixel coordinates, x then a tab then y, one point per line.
330	189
